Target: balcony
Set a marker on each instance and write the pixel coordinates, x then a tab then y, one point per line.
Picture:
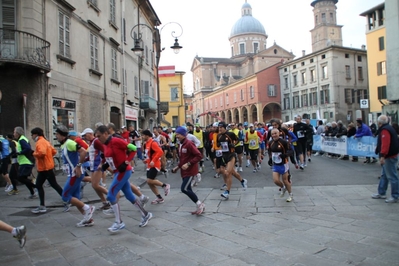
148	103
24	48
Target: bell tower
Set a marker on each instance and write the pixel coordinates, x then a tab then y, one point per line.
326	32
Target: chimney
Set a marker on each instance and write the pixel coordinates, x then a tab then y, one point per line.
363	47
303	52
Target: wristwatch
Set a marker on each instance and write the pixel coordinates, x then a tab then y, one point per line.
189	164
79	165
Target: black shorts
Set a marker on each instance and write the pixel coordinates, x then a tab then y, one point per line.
201	150
239	149
212	155
246	149
25	170
172	148
4	165
309	146
254	154
152	173
300	147
223	161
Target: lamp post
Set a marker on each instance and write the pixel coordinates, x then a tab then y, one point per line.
138	50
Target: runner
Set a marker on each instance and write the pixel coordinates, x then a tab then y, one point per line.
17	232
117	156
189	158
253	138
279	151
153	154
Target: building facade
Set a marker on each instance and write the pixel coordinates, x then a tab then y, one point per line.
244	87
70	62
171	94
376	58
331	83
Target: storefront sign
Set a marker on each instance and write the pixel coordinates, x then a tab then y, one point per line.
62	104
130	113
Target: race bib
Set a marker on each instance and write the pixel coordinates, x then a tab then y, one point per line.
276	157
252	143
111	163
225	146
219	153
300	134
65	169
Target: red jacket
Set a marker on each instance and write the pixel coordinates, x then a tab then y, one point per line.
189	153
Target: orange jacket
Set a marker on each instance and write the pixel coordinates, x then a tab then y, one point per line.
153	153
44	153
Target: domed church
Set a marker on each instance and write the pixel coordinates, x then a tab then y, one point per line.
244	87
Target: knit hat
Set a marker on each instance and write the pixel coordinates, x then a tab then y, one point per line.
222	124
181	130
62	130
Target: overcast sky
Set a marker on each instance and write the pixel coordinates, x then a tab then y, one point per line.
207	24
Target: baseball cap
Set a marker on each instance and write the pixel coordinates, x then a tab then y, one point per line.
222	124
216	124
86	131
245	124
197	125
73	133
251	125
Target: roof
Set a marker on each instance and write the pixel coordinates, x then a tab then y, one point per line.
317	1
371	10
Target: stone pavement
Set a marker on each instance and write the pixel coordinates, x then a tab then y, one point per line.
324	225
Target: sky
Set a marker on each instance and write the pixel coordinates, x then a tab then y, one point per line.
206	26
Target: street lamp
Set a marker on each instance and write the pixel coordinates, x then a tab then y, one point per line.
138	50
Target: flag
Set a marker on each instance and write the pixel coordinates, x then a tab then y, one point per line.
166	71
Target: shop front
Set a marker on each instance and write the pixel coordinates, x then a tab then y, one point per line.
64	113
131	116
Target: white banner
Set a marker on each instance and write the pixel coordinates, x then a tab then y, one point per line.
334	145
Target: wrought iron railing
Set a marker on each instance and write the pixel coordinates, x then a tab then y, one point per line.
23	47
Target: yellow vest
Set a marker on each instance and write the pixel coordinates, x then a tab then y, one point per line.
199	135
245	133
253	140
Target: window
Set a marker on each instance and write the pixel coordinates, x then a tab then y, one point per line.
323	17
146	54
235	96
210	104
145	88
304	97
323	56
221	101
242	48
314	115
381	43
303	75
295	81
303	63
286	82
256	47
312	75
286	102
382	93
112	13
124	29
331	18
242	95
216	103
349	96
325	115
348	72
124	80
381	68
114	63
63	35
324	70
227	98
271	90
316	20
359	58
360	73
295	102
358	96
136	87
346	55
365	94
251	92
174	94
94	2
294	66
175	121
325	94
93	51
313	98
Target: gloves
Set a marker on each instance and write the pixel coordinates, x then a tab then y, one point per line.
122	167
270	162
104	167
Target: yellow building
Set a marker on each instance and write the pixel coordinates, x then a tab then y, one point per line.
376	58
171	95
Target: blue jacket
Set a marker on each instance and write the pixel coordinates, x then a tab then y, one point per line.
362	131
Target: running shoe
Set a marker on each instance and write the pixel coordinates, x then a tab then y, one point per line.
21	235
145	219
13	192
104	206
89	213
33	196
216	175
158	201
378	196
198	178
9	188
283	190
391	200
309	160
224	187
116	227
109	212
366	161
374	160
67	206
144	201
254	171
290	198
166	189
84	223
200	209
296	166
40	209
166	173
225	194
301	167
248	164
240	169
244	183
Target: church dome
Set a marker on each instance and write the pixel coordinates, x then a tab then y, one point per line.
247	23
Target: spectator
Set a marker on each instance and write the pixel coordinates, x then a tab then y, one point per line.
341	131
350	133
363	131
